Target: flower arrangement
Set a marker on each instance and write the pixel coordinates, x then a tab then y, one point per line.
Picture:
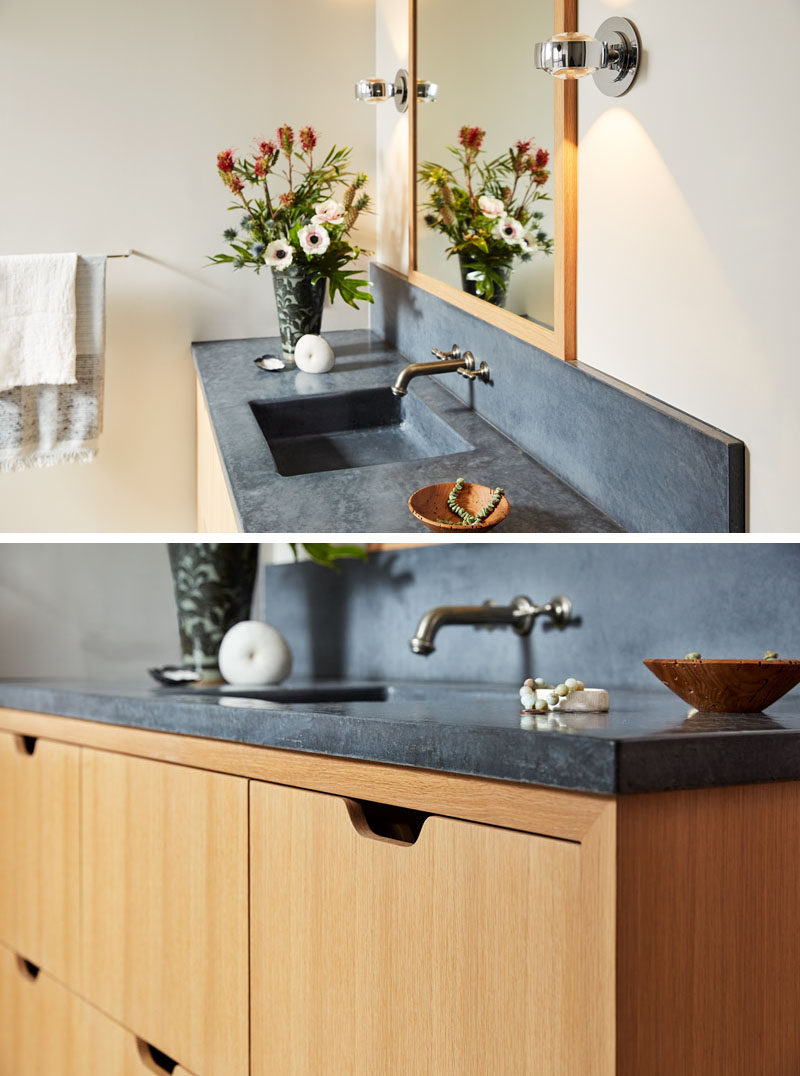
303	225
488	209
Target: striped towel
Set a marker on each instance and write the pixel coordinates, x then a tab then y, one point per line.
43	425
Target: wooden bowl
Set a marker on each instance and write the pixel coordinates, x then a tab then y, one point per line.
429	505
723	686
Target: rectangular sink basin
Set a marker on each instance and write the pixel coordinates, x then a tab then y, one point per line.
307	693
362	428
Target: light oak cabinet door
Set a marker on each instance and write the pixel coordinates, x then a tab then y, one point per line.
456	954
45	1030
165	906
215	511
39	851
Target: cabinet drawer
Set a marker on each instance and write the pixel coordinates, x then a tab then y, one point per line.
45	1030
165	906
39	851
458	953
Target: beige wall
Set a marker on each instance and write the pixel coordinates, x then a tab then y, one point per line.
688	225
112	115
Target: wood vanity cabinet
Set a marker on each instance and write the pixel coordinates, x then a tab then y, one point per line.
215	511
49	1031
165	906
253	910
39	851
459	952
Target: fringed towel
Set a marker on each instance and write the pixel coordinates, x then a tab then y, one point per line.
37	319
43	425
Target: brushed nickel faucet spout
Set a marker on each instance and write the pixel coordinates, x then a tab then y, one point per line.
462	363
519	615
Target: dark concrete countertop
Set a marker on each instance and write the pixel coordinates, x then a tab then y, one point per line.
366	499
646	743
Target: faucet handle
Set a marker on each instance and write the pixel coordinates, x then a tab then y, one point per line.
453	353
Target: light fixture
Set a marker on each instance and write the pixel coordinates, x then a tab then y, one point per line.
611	57
377	90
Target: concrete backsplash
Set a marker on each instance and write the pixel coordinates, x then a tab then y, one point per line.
631	601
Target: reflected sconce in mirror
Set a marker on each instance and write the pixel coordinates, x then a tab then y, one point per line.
611	57
377	90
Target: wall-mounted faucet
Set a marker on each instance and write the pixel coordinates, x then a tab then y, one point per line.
520	615
462	362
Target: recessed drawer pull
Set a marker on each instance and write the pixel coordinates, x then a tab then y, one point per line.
27	969
26	745
386	821
153	1058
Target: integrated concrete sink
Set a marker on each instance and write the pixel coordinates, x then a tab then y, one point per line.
303	693
362	428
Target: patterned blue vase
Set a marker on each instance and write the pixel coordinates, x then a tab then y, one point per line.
299	305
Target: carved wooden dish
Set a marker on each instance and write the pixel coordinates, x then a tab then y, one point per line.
429	505
727	686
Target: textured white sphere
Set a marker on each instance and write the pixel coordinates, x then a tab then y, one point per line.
253	653
313	354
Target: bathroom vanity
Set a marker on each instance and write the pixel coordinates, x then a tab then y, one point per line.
339	453
287	884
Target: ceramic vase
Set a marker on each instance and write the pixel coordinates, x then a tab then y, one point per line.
213	585
299	305
469	286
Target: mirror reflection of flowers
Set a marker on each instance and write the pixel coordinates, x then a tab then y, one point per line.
488	209
296	212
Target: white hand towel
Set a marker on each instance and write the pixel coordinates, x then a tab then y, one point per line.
42	425
37	319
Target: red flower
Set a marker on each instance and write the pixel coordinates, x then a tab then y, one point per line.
308	138
287	198
286	138
523	147
267	149
471	138
236	184
542	157
226	161
260	167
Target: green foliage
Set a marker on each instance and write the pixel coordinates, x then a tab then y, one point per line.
515	180
326	553
280	190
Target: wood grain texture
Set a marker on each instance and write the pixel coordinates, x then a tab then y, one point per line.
560	341
720	686
708	932
215	511
46	1030
457	954
165	906
39	853
549	811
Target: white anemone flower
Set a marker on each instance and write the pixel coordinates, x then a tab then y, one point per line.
278	254
314	239
511	231
329	212
491	207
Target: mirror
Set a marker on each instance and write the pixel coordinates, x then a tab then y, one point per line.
493	222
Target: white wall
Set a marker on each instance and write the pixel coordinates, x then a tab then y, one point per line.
112	117
688	228
102	611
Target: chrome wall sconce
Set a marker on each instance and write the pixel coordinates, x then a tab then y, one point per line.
376	90
611	57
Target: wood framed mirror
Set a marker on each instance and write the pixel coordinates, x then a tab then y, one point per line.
482	62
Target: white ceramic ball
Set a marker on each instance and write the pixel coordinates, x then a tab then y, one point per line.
253	653
313	354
